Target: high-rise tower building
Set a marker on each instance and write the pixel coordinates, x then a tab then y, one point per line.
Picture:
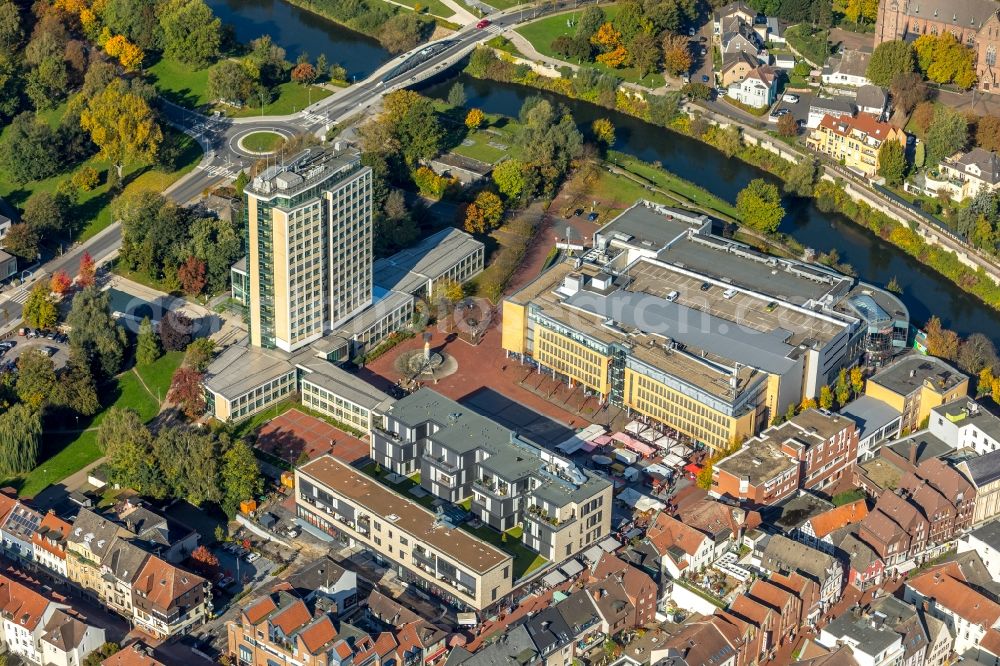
309	243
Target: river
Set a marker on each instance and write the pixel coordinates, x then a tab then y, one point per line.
298	31
925	292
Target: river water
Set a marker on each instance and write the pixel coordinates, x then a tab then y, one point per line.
298	31
925	292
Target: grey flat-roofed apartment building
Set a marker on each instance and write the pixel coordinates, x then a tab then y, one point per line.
461	454
450	254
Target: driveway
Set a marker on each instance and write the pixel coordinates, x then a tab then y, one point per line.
60	351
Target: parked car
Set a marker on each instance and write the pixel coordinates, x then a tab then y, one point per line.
252	557
704	51
790	98
592	217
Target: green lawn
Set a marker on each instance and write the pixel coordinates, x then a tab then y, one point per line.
432	7
157	376
291	97
813	45
848	496
178	83
73	453
675	184
262	142
480	148
541	33
525	559
505	4
504	44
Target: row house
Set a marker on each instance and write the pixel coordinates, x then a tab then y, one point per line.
625	597
983	472
865	568
945	593
855	142
681	548
819	531
872	643
18	522
782	601
709	641
766	622
784	556
49	544
67	641
944	497
168	601
985	541
895	529
136	654
418	641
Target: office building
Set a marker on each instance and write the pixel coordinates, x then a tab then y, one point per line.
510	480
916	384
698	332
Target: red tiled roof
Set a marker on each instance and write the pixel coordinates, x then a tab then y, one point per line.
133	655
163	584
52	528
22	605
667	531
841	516
947	586
260	609
292	617
863	122
318	635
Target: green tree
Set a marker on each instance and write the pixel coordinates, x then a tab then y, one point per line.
20	434
147	348
549	141
802	176
94	333
644	54
727	140
11	32
23	241
128	446
36	378
593	17
892	162
401	32
76	389
842	389
947	134
199	353
456	94
406	131
759	206
44	212
122	125
908	89
509	178
189	461
231	81
192	34
39	310
889	60
241	479
29	149
825	397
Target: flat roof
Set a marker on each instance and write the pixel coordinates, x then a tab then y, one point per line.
342	383
870	414
384	303
909	373
928	446
794	512
243	367
411	517
652	227
410	269
872	639
965	411
757	461
309	168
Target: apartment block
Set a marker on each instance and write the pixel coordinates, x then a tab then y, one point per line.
812	451
309	242
423	546
854	141
695	331
510	480
916	384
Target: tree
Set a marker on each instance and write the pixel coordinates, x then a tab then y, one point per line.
474	119
11	33
76	388
908	89
188	459
508	176
191	32
86	178
401	32
609	40
147	348
892	162
943	59
591	20
60	282
29	149
94	334
825	397
128	54
456	94
406	131
644	53
889	60
304	73
122	125
232	82
976	353
128	446
988	133
727	140
842	389
176	331
940	341
39	310
923	116
44	213
704	479
204	561
676	54
857	380
788	126
759	206
338	72
36	378
191	275
199	353
186	391
484	213
20	434
88	271
801	177
241	479
97	657
948	133
604	131
23	241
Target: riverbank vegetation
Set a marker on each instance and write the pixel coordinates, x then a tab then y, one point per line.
397	29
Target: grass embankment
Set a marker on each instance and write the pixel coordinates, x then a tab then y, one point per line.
91	213
66	452
542	32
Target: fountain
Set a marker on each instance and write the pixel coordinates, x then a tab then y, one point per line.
425	364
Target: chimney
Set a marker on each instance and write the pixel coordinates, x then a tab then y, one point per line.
913	453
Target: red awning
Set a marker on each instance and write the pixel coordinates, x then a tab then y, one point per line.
691	467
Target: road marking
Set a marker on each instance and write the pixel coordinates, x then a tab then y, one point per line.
495	29
19	296
217	170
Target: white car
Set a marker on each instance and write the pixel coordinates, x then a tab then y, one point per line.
252	557
790	98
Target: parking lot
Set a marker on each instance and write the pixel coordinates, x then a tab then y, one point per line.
242	568
57	347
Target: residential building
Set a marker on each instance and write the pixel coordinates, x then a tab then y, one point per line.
984	474
510	480
837	107
135	654
156	533
945	498
168	601
425	548
972	22
847	69
702	643
326	580
17	526
786	604
964	175
963	424
759	474
580	613
734	10
67	641
682	548
944	592
895	529
916	384
736	67
552	637
49	544
792	516
865	568
872	100
872	644
855	142
89	543
24	616
984	540
819	531
841	656
783	556
759	88
5	223
612	580
876	420
8	266
310	243
450	255
714	382
514	646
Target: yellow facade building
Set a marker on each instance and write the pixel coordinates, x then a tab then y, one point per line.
916	384
856	141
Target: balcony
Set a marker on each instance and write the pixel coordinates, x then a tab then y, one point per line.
490	487
440	462
425	558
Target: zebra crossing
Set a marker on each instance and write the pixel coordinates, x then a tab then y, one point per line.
217	170
495	29
20	295
314	118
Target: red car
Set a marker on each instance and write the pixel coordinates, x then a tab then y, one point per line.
482	24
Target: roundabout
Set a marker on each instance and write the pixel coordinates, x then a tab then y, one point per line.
259	142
